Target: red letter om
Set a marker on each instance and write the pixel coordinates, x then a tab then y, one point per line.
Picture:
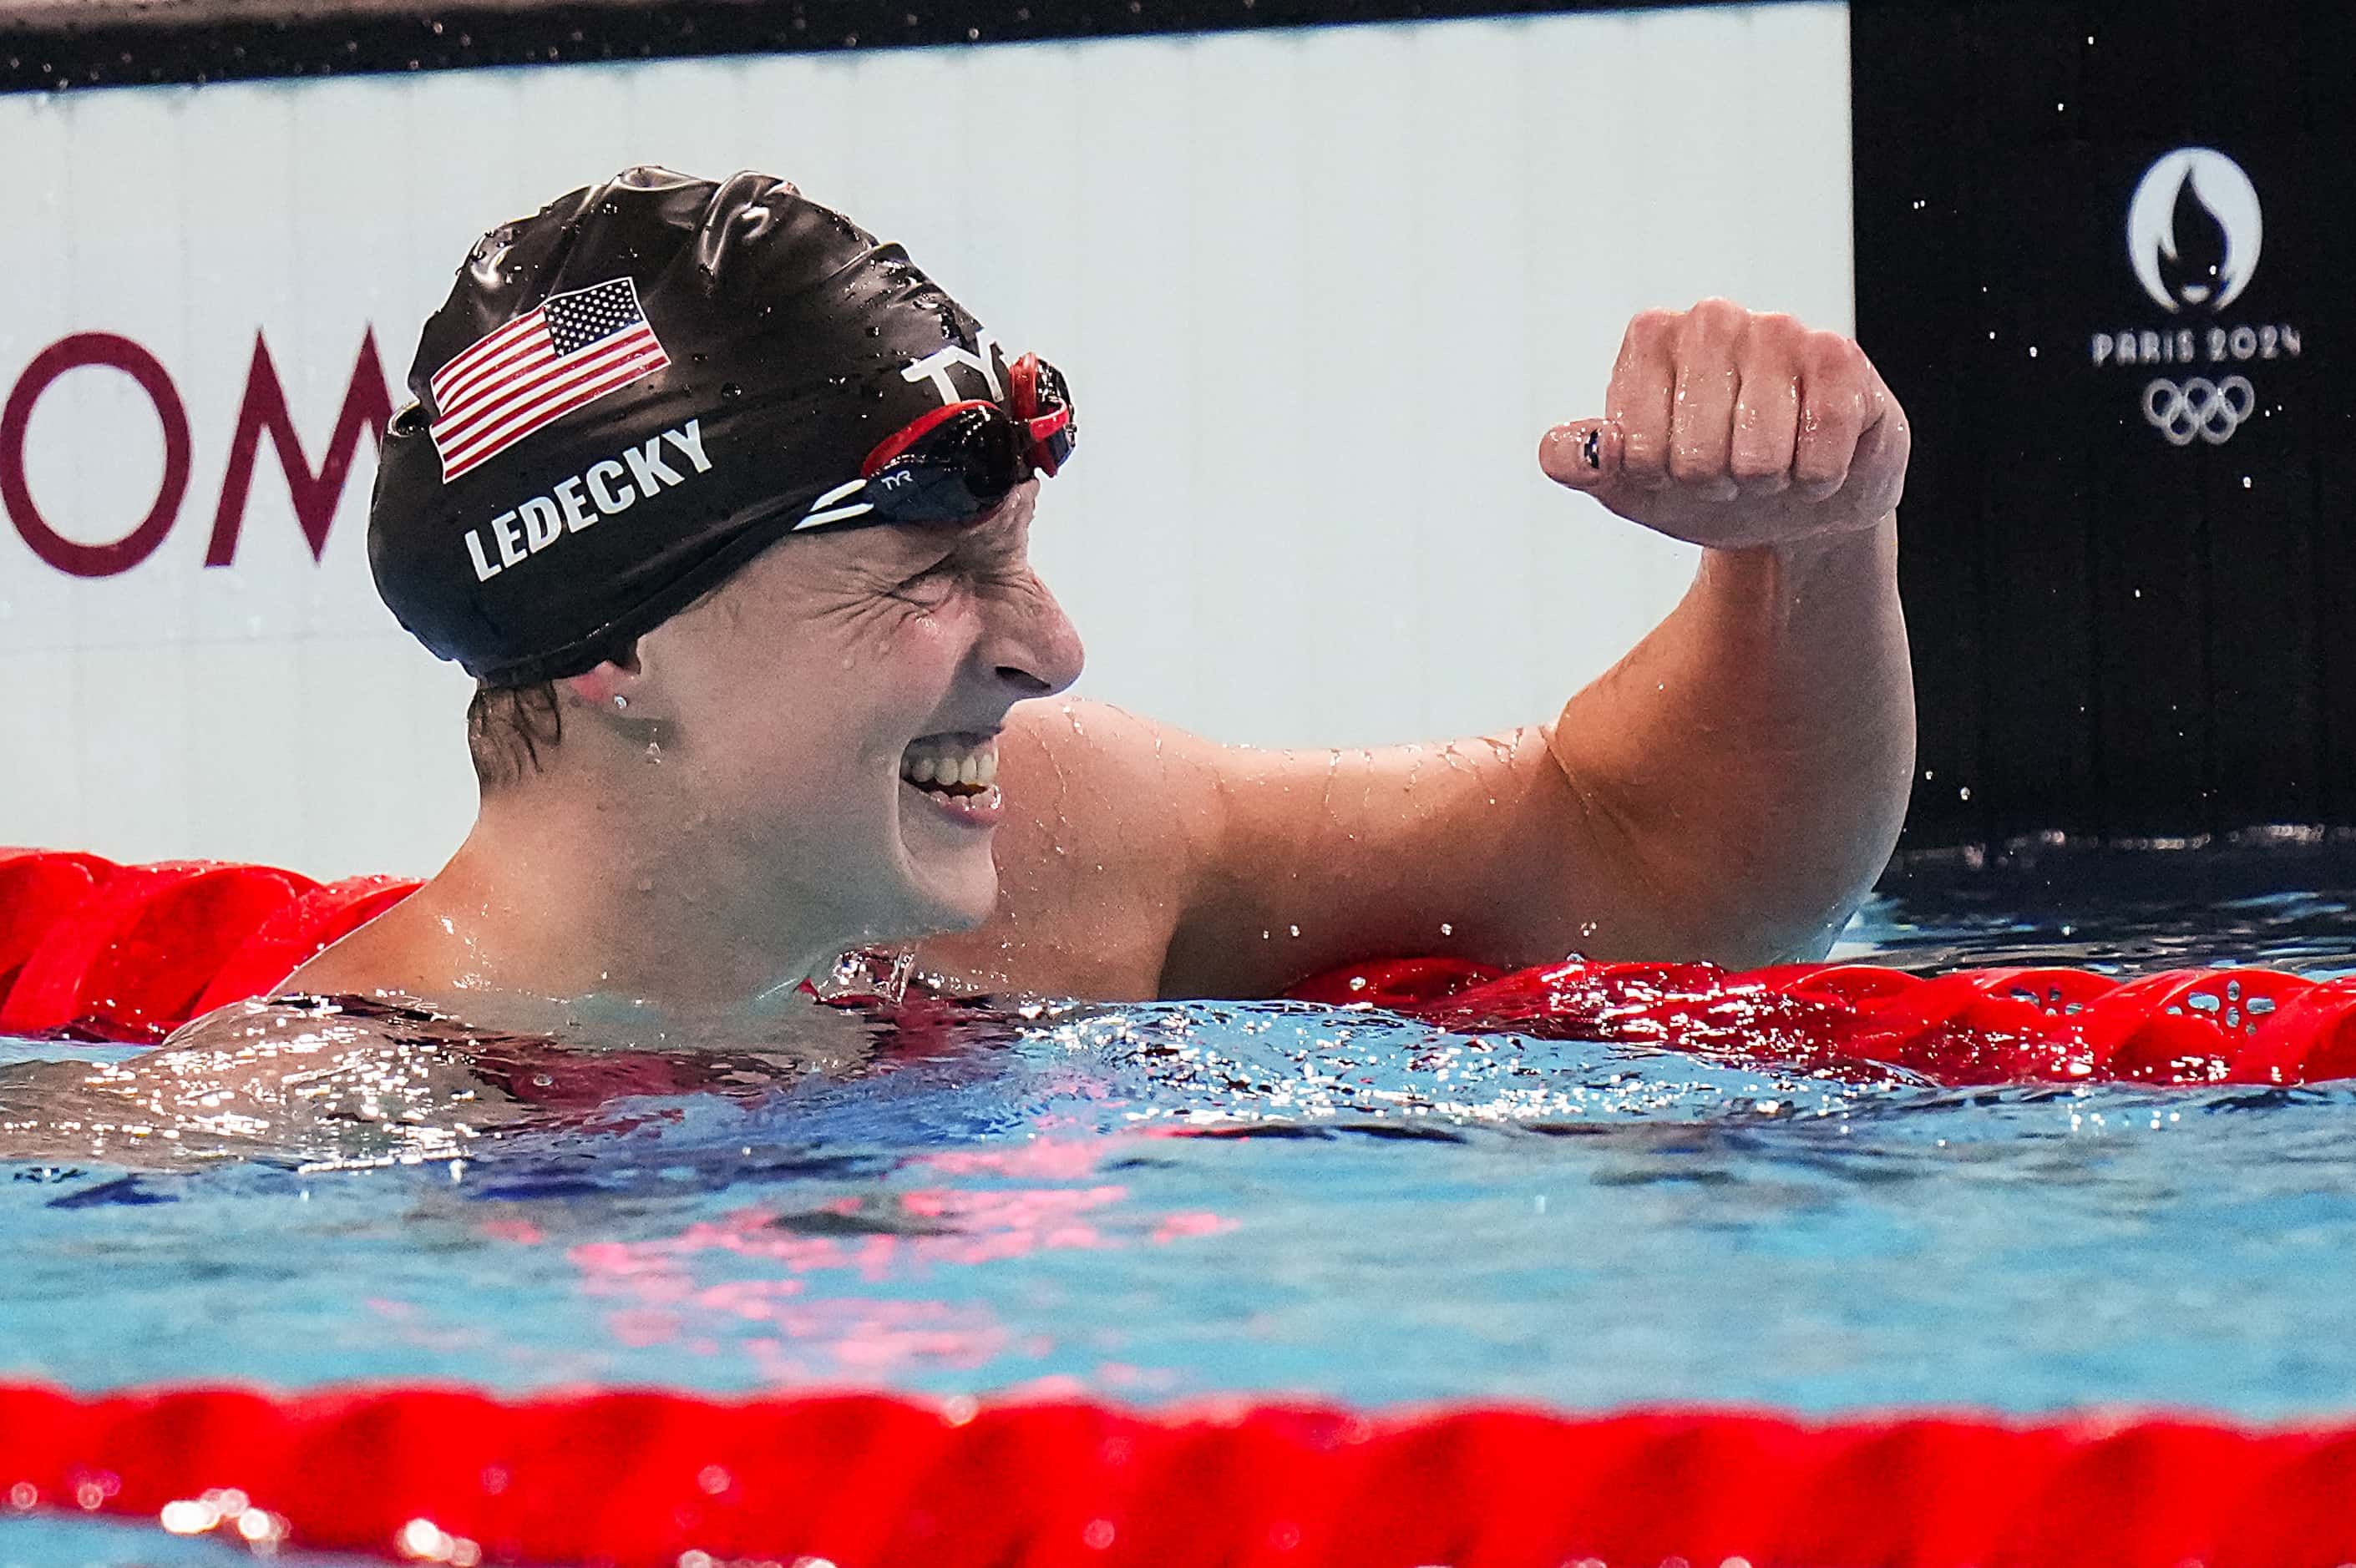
367	406
71	354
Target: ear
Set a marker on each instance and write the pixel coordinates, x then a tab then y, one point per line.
615	685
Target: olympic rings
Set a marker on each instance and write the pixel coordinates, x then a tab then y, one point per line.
2211	411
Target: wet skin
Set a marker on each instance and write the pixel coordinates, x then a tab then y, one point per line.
1728	791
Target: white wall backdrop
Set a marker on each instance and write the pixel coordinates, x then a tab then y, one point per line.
1318	293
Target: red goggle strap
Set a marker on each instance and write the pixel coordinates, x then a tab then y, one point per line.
893	445
1023	386
1045	425
1023	383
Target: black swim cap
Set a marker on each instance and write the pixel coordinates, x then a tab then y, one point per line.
632	393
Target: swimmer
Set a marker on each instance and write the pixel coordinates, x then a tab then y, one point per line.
727	508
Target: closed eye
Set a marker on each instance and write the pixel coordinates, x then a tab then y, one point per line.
928	587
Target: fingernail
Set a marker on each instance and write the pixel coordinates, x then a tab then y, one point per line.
1594	450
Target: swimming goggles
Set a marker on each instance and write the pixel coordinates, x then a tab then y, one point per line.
956	464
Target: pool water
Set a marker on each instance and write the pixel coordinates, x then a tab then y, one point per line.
1146	1203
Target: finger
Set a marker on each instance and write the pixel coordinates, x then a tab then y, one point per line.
1882	449
1832	414
1584	455
1767	408
1701	420
1643	381
1878	407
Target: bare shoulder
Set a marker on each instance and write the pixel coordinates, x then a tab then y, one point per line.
1110	819
1091	762
301	1079
307	1022
405	951
334	1057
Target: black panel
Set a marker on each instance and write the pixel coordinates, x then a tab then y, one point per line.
1912	259
2258	496
2330	44
42	54
2117	634
2039	553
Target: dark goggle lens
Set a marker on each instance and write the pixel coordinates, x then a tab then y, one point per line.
957	463
956	470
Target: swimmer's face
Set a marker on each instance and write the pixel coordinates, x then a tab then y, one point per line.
836	707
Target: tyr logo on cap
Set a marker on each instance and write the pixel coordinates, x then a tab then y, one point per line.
575	348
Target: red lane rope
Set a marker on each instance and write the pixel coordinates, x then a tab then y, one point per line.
95	951
135	952
2180	1026
870	1482
292	934
92	949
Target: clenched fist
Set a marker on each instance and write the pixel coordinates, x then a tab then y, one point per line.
1731	428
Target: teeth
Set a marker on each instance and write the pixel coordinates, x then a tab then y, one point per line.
947	766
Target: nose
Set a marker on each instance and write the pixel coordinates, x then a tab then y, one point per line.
1029	645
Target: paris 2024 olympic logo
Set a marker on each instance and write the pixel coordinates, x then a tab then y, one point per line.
2195	229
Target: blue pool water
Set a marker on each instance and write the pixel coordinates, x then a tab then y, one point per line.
1151	1202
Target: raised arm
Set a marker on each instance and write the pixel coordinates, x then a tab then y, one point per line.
1749	760
1728	791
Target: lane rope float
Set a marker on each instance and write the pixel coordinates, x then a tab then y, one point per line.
642	1479
2177	1028
95	951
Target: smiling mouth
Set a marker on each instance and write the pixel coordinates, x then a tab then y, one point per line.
961	766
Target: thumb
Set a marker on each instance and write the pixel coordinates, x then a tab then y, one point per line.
1583	454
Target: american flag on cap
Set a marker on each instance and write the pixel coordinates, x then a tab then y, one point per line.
575	348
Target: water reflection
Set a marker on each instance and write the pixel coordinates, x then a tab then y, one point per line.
1168	1199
